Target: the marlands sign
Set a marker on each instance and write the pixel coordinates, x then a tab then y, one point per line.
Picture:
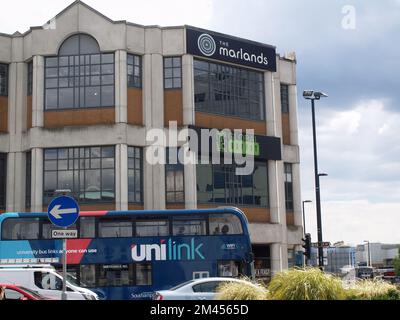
225	48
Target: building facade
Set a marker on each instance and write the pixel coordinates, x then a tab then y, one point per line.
375	254
79	96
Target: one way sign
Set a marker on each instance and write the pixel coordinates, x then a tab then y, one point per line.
63	211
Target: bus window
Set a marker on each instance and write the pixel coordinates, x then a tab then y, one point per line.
47	227
225	224
143	274
189	226
156	227
87	227
20	229
228	268
115	227
115	275
88	275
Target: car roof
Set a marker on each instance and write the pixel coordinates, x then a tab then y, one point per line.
201	280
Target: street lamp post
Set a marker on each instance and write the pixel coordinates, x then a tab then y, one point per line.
304	216
314	95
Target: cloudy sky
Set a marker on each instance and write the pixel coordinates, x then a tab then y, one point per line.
349	49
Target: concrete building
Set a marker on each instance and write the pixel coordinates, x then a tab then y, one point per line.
378	255
336	257
79	96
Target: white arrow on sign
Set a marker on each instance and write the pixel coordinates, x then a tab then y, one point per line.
56	211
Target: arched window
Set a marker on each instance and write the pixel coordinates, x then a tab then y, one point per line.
80	76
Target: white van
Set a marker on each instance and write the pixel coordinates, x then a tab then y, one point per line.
44	280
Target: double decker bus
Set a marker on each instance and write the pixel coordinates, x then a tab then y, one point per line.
130	254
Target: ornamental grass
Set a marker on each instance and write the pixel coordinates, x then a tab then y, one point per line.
305	284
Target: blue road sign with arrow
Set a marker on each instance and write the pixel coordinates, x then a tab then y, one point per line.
63	211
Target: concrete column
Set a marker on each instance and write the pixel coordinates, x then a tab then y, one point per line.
277	103
37	180
190	183
17	104
281	196
15	162
188	90
294	137
297	207
273	192
121	177
154	182
38	92
147	181
270	104
15	182
157	90
146	84
276	258
121	87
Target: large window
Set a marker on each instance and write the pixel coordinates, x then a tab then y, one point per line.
172	73
228	90
113	228
288	186
3	80
174	177
135	175
134	71
3	179
220	184
80	76
189	226
88	172
285	98
30	79
115	275
152	227
20	229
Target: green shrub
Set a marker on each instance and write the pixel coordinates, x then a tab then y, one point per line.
373	290
245	290
306	284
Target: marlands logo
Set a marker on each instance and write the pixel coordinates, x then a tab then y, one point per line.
206	44
166	250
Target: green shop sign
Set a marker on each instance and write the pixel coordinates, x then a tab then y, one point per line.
245	145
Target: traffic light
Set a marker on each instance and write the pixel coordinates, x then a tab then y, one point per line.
307	245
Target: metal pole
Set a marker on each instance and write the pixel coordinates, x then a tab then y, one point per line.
317	192
64	289
304	228
304	221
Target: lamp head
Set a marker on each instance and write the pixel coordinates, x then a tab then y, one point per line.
313	95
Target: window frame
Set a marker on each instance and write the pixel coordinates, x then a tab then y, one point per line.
235	86
234	189
29	83
289	199
172	77
4	73
285	104
79	158
135	171
175	168
79	68
140	66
